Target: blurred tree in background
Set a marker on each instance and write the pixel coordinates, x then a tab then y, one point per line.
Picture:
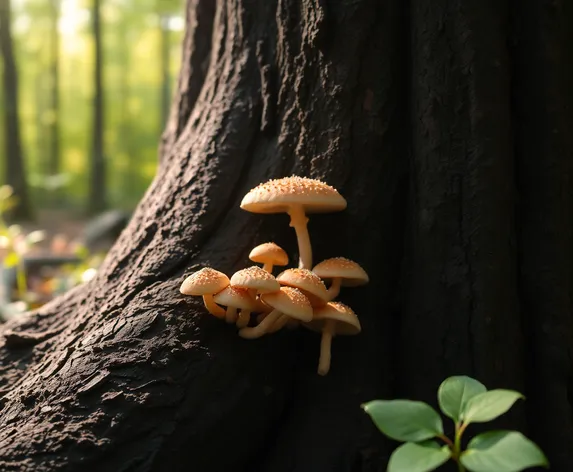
98	188
14	166
86	151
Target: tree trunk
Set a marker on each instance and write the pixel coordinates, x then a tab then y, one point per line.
165	53
54	161
15	168
445	126
126	127
98	188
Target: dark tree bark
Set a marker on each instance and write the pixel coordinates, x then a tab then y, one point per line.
54	129
14	165
447	128
98	187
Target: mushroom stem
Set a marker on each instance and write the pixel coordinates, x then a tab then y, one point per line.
268	266
263	327
212	307
279	323
334	288
298	221
325	343
231	314
243	319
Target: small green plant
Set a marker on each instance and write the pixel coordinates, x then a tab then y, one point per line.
465	401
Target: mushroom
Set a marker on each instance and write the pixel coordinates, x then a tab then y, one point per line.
234	298
254	280
206	282
269	254
296	196
289	302
308	283
332	319
341	271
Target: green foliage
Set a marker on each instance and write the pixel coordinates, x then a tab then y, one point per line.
15	244
7	202
454	394
405	420
502	451
465	401
489	405
132	84
418	457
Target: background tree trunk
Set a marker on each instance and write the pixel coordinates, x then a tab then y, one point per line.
15	168
165	54
54	163
98	188
445	126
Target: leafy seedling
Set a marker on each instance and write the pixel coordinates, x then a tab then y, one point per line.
465	401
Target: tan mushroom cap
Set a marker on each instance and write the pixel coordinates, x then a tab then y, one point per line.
291	302
347	321
309	283
349	271
275	196
204	282
255	278
236	298
269	252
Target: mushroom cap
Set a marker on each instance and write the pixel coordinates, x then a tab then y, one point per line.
204	282
307	282
349	271
290	301
269	252
255	278
347	322
236	298
276	196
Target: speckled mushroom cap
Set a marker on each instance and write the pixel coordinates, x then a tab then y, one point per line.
255	278
235	297
291	302
349	271
347	322
204	282
275	196
269	252
308	282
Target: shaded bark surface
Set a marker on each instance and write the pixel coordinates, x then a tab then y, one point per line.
446	129
14	165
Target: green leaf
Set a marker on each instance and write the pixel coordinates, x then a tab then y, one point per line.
405	420
502	451
421	457
11	260
455	392
489	405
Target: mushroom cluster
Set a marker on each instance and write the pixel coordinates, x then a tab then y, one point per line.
260	303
